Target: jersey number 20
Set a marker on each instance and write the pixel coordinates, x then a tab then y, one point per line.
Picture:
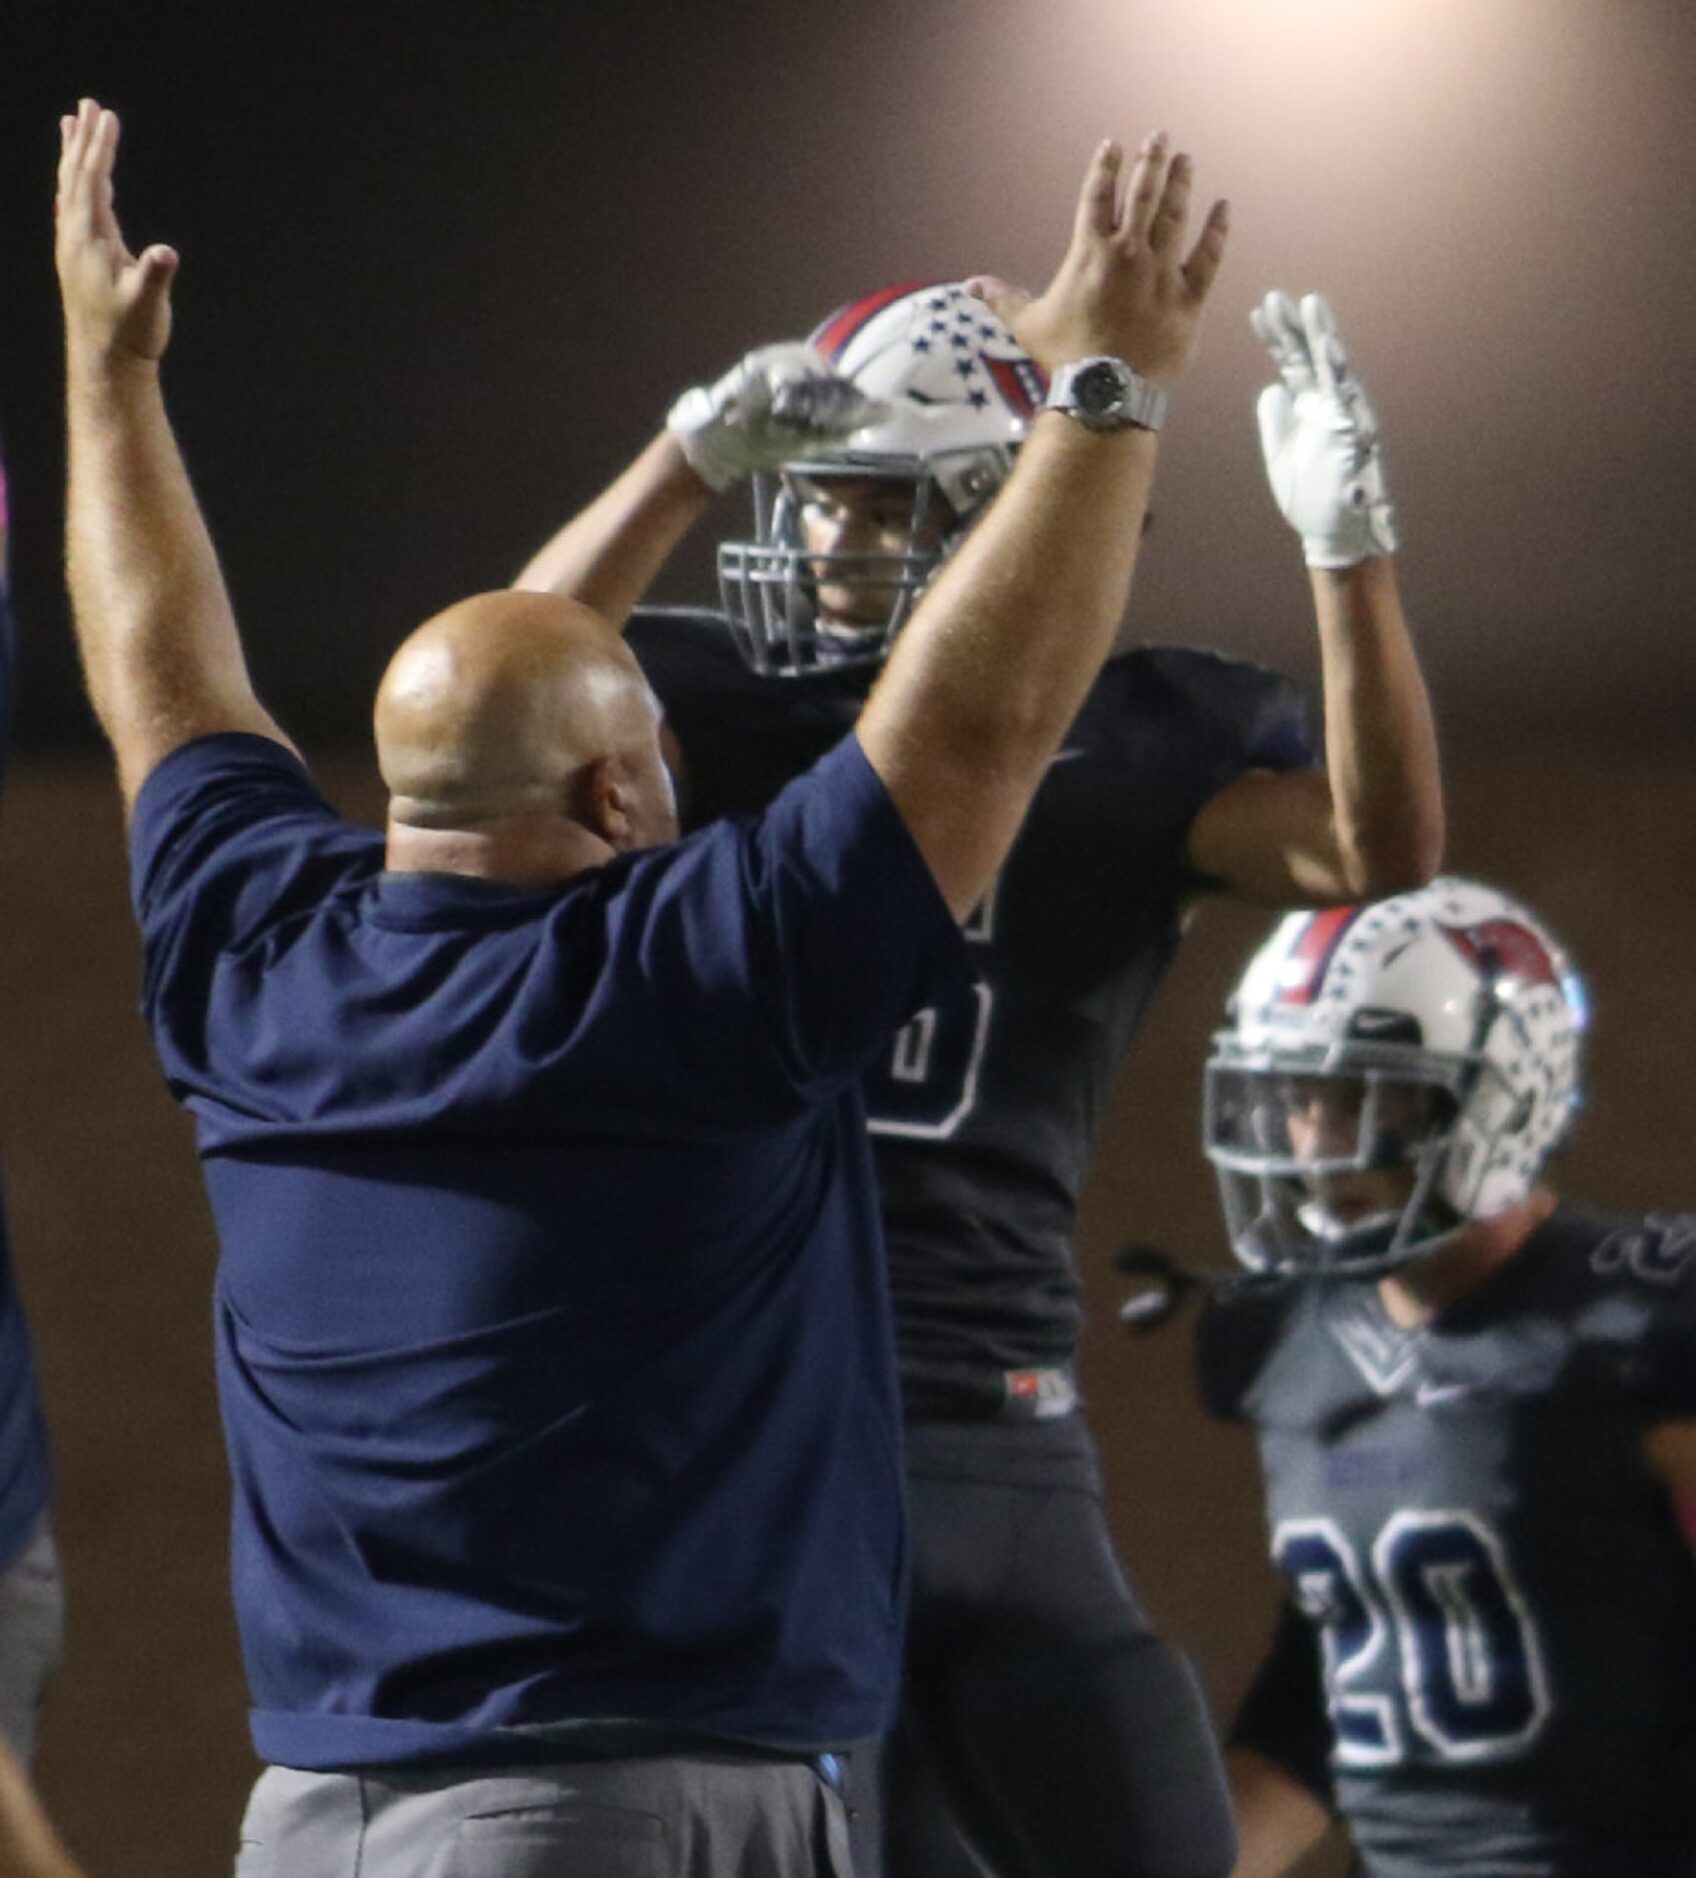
1438	1591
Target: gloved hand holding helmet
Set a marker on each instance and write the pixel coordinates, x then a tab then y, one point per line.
775	403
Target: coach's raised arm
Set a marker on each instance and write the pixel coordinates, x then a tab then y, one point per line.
984	683
553	1338
158	640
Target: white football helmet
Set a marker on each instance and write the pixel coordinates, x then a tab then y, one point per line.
1392	1070
957	392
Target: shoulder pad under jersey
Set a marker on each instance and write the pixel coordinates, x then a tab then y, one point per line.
1258	717
1238	1330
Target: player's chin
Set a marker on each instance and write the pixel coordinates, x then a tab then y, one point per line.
850	613
1348	1205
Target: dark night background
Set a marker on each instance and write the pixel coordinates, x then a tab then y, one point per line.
444	266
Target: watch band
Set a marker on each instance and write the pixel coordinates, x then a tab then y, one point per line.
1106	394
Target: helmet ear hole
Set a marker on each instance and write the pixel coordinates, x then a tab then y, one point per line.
977	483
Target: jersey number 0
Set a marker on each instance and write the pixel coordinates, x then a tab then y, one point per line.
929	1081
928	1084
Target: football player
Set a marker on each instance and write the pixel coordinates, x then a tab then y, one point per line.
1046	1727
1476	1409
31	1596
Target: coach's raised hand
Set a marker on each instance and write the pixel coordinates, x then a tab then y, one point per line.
158	641
1126	287
117	305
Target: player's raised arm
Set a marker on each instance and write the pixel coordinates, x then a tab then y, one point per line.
1370	823
1278	1821
159	645
1671	1451
999	654
29	1847
1277	1755
777	402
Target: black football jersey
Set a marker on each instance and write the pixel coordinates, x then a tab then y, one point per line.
985	1108
1495	1588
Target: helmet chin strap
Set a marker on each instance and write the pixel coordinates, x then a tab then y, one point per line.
849	636
1382	1241
1325	1226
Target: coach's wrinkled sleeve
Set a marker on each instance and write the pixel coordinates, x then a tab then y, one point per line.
229	836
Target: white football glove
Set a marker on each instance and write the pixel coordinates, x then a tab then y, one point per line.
774	404
1320	438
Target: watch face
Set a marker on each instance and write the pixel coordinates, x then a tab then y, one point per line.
1099	388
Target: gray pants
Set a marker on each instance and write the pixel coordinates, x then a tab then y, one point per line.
32	1630
695	1816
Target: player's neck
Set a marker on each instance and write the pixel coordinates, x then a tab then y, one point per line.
1416	1293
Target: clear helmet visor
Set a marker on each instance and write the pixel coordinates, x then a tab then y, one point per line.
1331	1170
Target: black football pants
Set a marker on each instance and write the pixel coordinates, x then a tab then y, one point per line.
1045	1732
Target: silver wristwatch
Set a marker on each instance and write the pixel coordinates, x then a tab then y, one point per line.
1105	394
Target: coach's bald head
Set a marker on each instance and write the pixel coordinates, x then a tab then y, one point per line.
519	741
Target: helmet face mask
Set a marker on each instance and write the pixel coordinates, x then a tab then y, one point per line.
1393	1072
1332	1164
956	392
847	549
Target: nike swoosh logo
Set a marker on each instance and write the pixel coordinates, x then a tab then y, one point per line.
1430	1394
1066	756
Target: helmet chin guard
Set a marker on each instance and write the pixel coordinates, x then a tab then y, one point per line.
1391	1072
956	393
